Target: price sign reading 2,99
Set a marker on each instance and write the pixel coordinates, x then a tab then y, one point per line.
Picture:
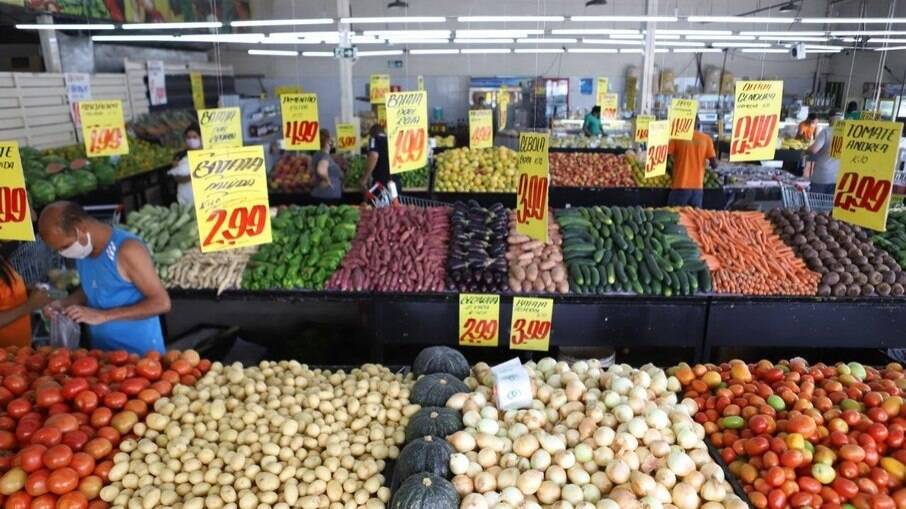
407	129
231	204
479	319
15	216
531	325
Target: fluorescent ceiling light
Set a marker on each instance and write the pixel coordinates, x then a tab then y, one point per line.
538	50
738	19
482	41
661	50
592	50
853	20
433	51
133	38
720	37
592	31
443	34
677	44
842	33
274	52
781	38
740	45
64	26
632	50
612	41
784	34
172	26
627	36
891	48
815	50
697	50
491	34
472	51
395	19
665	37
687	31
417	41
232	38
280	22
382	53
765	50
548	40
317	54
886	41
509	19
630	19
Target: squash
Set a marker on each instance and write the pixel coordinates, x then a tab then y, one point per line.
432	420
435	389
425	454
441	359
425	491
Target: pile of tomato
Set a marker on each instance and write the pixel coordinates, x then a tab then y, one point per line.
796	435
63	414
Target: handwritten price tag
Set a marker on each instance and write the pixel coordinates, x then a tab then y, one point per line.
407	125
481	122
601	91
681	117
197	83
15	215
867	162
641	127
288	89
532	187
837	132
755	120
379	88
658	146
103	128
479	319
300	122
221	127
347	138
609	107
231	204
531	325
503	104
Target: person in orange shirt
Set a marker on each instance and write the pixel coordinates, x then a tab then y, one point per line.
16	306
807	128
689	159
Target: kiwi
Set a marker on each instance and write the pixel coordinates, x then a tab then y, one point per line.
890	277
853	291
897	289
860	278
883	289
839	290
846	278
831	278
875	278
824	290
868	290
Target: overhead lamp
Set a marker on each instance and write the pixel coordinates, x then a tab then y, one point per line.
678	44
720	37
765	50
492	34
627	36
593	31
222	38
860	21
799	38
482	41
592	50
891	48
803	33
687	31
548	40
433	51
697	50
382	53
885	41
133	38
510	19
408	33
538	50
857	33
321	54
632	50
628	19
740	45
185	25
65	26
739	19
472	51
394	19
280	22
274	52
416	40
613	41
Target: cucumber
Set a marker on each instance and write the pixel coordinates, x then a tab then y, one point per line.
704	280
598	255
653	267
644	275
595	276
611	273
621	274
617	214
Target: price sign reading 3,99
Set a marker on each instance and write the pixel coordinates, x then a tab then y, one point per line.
231	205
867	163
15	216
347	137
103	128
532	186
755	120
682	118
479	319
531	325
300	122
481	123
407	129
658	145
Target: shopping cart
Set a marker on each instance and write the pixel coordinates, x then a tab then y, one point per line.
798	196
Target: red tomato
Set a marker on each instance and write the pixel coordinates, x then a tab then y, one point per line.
163	387
84	366
800	499
98	504
115	400
75	439
48	396
148	368
98	448
149	396
86	401
36	483
57	456
18	500
90	486
62	481
100	417
881	501
65	422
880	477
7	440
132	386
101	389
102	469
775	476
110	433
845	488
29	458
36	363
866	485
46	501
82	463
74	386
47	436
878	432
118	374
16	384
776	499
181	367
852	452
74	500
117	357
7	423
18	407
756	446
58	364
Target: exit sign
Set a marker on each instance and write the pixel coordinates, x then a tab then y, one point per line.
345	52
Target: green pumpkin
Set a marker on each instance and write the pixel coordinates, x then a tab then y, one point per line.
435	389
441	359
425	454
425	491
432	420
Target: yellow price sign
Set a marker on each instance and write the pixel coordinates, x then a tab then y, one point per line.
865	180
220	127
532	188
610	107
15	214
869	115
681	117
300	122
658	146
756	120
347	138
479	319
407	130
836	147
530	328
641	127
103	128
481	125
231	205
288	89
197	83
379	88
381	115
503	104
601	91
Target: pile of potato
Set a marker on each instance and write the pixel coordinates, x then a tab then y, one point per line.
536	267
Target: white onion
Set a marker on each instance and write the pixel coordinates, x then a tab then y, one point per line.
529	481
541	459
474	501
459	463
583	452
681	464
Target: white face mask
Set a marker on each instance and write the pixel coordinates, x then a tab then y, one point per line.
76	250
193	143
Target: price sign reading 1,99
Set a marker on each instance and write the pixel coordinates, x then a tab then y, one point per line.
300	121
682	118
15	216
867	163
103	128
479	319
531	325
407	128
532	186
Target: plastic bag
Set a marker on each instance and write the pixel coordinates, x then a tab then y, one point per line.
64	332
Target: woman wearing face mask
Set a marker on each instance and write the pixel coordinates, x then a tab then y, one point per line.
121	295
180	171
328	177
16	303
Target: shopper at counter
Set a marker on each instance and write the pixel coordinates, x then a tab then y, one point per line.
377	165
592	124
328	178
852	111
807	128
16	302
121	296
824	175
180	171
689	158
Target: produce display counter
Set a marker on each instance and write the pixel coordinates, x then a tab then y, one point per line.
134	191
792	158
597	150
560	197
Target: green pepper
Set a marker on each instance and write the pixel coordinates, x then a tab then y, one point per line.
776	402
732	422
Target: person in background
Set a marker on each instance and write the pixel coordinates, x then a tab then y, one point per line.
180	172
377	164
824	175
16	303
328	177
807	128
592	124
852	111
121	296
689	159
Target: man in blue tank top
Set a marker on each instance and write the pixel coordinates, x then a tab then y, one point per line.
121	296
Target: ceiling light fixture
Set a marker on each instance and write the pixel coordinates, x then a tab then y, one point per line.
891	48
720	37
280	22
509	19
222	38
592	50
395	41
786	33
381	53
612	41
319	54
798	38
172	26
550	40
538	50
765	50
687	31
592	31
739	19
627	19
632	50
133	38
408	33
627	36
697	50
473	51
493	34
482	41
64	26
274	52
679	44
860	21
740	45
885	41
394	19
433	51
